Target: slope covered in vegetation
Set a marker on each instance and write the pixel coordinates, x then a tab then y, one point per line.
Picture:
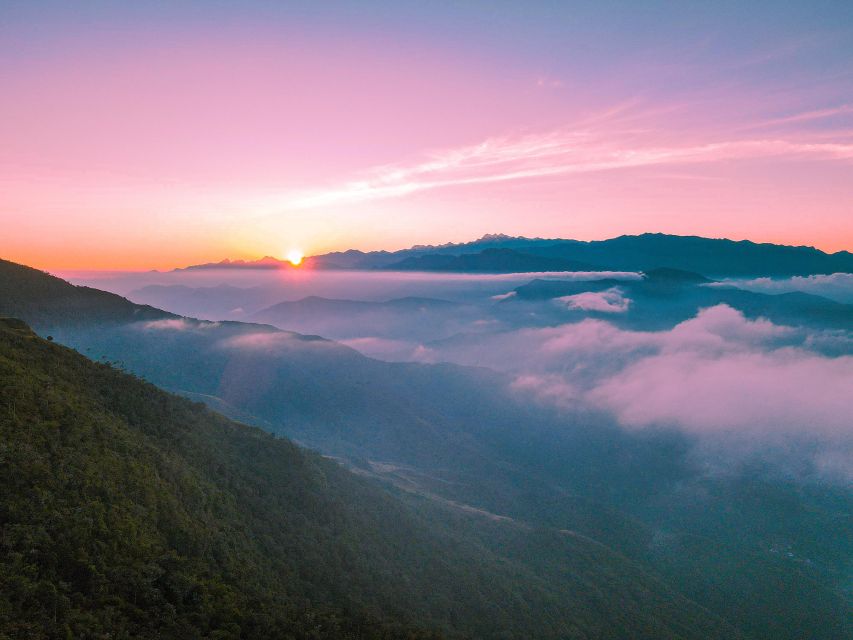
41	298
130	511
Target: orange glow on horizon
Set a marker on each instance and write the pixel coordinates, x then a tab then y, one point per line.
57	256
156	145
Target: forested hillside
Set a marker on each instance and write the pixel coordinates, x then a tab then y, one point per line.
42	298
136	513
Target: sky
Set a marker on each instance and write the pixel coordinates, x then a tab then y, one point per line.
155	135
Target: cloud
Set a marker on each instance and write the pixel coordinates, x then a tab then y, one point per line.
716	372
806	116
178	324
721	329
787	390
273	340
581	276
743	387
836	286
504	296
716	375
559	152
609	301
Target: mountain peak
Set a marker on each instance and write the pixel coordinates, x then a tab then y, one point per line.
492	237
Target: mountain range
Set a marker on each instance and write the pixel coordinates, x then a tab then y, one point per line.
665	297
450	436
498	253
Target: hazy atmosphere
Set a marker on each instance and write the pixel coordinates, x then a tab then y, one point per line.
426	321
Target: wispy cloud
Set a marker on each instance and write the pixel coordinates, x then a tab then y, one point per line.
559	152
836	286
178	324
806	116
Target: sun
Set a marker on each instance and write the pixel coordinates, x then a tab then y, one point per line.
294	257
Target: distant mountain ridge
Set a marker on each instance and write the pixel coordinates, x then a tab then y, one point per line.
665	296
267	262
493	260
499	253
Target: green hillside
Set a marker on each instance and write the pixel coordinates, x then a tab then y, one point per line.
42	298
129	512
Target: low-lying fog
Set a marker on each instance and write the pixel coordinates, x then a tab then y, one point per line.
737	358
261	287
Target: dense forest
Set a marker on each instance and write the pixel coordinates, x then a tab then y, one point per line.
130	512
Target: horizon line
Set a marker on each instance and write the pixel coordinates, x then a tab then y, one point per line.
485	236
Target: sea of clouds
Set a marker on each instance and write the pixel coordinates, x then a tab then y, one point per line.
718	375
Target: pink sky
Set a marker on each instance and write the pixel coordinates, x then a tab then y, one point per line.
162	146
